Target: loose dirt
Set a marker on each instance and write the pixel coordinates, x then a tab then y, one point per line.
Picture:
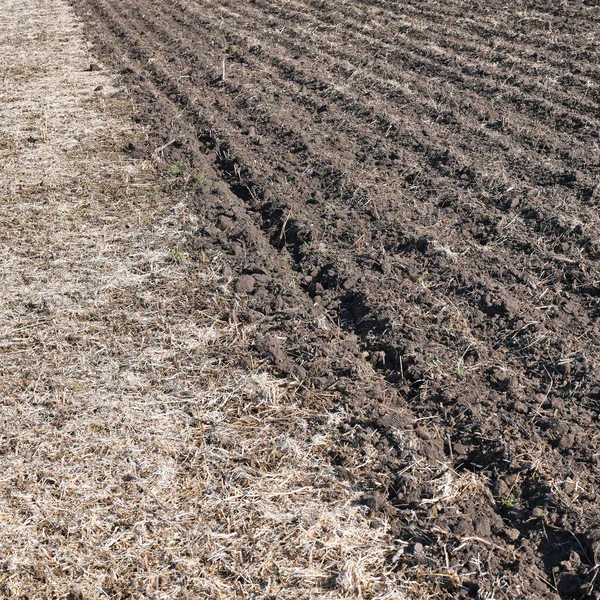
137	458
405	194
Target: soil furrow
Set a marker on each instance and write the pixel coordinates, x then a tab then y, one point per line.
278	223
440	45
429	150
496	25
404	43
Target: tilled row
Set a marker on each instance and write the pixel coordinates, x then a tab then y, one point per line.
447	53
388	209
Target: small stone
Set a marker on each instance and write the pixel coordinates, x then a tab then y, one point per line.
566	441
493	116
512	534
94	67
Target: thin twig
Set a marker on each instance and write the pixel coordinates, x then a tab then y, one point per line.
164	147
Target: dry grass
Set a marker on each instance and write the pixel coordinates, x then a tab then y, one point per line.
135	460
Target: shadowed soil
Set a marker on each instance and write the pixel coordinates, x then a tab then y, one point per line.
407	197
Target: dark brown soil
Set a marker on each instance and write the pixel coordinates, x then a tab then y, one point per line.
406	194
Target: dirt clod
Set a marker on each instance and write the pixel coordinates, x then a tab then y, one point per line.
245	284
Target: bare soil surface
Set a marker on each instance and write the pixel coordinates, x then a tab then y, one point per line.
407	194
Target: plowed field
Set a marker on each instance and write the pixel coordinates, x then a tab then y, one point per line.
408	196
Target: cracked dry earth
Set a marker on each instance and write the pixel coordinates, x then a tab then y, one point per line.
137	458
